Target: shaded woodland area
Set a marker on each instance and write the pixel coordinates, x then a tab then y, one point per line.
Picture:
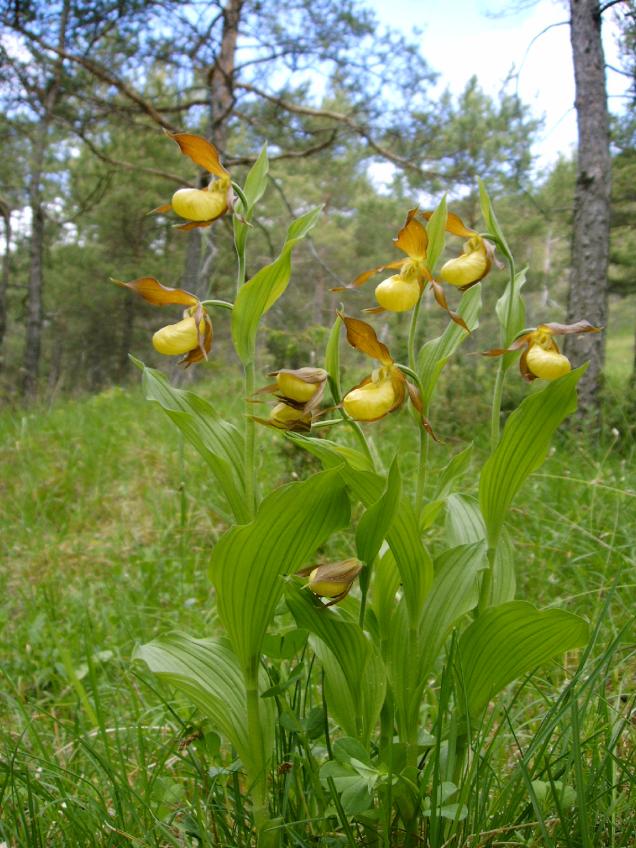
88	88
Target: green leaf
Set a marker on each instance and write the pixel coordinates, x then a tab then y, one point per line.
492	224
457	466
435	353
354	672
523	447
412	559
332	360
265	287
454	593
374	525
256	180
248	562
386	582
217	441
207	672
509	641
254	188
464	524
436	231
511	313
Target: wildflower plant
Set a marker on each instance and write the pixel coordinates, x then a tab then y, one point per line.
390	638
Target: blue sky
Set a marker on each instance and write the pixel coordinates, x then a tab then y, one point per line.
462	38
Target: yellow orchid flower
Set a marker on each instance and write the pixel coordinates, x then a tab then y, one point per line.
386	388
201	206
474	262
400	292
542	357
192	335
332	580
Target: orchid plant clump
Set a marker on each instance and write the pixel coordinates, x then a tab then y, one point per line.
371	635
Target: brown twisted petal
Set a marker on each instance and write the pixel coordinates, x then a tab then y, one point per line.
440	298
569	329
362	336
361	279
156	293
201	151
416	400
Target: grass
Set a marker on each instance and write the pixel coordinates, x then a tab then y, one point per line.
107	532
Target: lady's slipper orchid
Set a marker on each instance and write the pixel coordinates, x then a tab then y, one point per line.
299	391
386	388
201	206
333	580
542	357
191	336
402	291
475	261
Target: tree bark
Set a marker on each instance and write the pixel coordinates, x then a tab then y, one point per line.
35	309
588	293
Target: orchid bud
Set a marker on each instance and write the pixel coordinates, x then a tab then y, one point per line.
396	294
302	384
370	401
335	579
175	339
468	268
288	418
547	364
195	204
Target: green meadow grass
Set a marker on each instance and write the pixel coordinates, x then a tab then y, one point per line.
106	534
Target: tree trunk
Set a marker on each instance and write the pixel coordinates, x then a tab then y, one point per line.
588	296
35	312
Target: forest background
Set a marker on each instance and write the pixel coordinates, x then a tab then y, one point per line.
87	90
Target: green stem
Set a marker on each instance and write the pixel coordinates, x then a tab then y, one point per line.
255	732
413	334
495	415
250	440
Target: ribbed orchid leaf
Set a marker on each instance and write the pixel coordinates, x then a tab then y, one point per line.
436	232
376	522
523	447
464	525
355	677
262	291
254	188
217	441
206	671
412	559
509	641
248	562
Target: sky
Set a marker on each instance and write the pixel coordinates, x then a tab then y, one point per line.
461	38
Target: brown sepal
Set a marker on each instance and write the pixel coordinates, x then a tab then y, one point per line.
201	151
374	310
454	225
412	238
156	293
440	297
193	225
301	426
526	373
362	336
